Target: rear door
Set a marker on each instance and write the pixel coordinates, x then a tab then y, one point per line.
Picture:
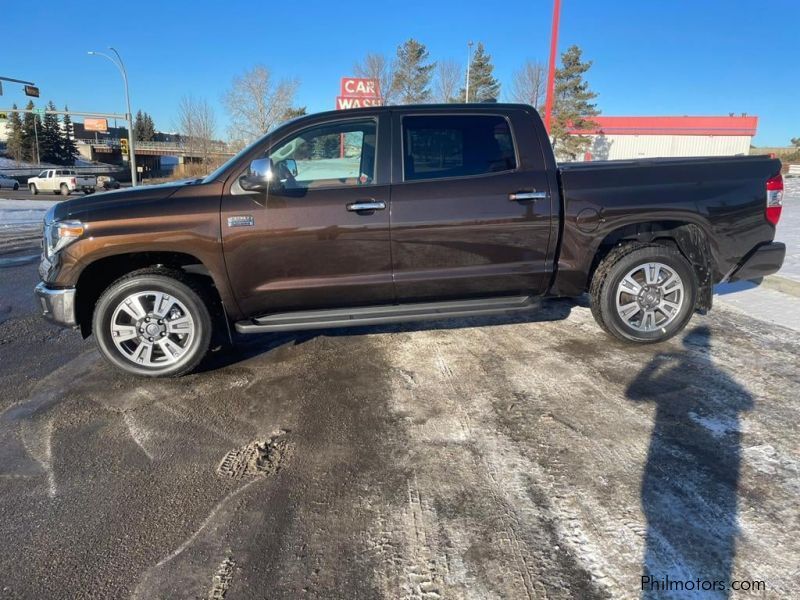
468	219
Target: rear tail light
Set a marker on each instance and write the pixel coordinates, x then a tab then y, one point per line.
75	181
774	199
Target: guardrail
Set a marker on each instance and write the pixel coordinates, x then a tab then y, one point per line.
33	171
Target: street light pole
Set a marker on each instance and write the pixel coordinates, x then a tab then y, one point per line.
131	148
469	64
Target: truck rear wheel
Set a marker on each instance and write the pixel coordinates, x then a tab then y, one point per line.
153	323
64	189
643	293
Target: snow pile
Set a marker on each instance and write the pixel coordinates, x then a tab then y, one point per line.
788	230
19	213
792	188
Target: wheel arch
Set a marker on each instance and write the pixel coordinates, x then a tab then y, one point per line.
689	238
98	275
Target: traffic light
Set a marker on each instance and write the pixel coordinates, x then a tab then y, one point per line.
123	145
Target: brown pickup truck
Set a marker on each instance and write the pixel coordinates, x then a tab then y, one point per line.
392	214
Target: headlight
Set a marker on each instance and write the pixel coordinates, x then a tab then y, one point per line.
60	234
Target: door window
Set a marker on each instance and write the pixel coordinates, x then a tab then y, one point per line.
330	155
440	146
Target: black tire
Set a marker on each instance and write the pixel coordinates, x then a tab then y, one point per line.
16	187
64	189
176	284
615	266
33	189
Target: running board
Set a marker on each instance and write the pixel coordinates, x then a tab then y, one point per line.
380	315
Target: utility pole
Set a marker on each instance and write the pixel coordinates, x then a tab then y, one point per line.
36	137
469	64
551	70
131	148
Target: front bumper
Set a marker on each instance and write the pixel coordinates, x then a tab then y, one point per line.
764	260
58	305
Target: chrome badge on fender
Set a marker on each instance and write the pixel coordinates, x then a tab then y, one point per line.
241	221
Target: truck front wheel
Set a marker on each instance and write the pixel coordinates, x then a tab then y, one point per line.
643	293
153	323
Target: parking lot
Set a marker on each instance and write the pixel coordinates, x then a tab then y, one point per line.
523	457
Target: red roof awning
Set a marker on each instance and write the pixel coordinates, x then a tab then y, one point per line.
672	126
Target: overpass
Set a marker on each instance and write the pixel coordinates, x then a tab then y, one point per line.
149	154
88	148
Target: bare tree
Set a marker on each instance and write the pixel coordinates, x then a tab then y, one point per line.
377	66
197	125
529	84
448	80
256	103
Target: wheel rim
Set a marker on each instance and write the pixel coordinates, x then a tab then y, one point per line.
650	297
152	329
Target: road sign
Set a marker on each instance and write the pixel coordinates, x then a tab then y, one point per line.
39	111
96	125
32	90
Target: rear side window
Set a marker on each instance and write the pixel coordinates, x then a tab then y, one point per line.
442	146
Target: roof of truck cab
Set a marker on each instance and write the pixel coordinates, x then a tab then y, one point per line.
454	107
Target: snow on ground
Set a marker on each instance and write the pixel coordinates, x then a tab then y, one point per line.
16	213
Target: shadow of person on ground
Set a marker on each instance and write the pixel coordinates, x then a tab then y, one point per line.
690	482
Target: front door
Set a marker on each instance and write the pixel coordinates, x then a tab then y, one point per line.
321	238
469	217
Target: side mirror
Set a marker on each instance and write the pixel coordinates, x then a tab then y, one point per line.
291	166
259	176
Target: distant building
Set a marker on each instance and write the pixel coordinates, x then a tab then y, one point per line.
649	137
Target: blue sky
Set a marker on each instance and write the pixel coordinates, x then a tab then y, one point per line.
651	57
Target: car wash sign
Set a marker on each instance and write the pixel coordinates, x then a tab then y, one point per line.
357	92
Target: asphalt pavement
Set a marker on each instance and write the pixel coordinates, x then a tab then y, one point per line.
526	457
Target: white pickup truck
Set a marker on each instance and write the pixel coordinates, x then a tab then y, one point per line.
62	181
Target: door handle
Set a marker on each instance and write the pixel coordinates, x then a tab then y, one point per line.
366	205
517	196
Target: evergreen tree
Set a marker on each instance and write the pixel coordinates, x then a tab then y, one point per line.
68	147
15	144
149	131
31	123
50	138
144	129
138	126
573	107
483	86
293	113
412	75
